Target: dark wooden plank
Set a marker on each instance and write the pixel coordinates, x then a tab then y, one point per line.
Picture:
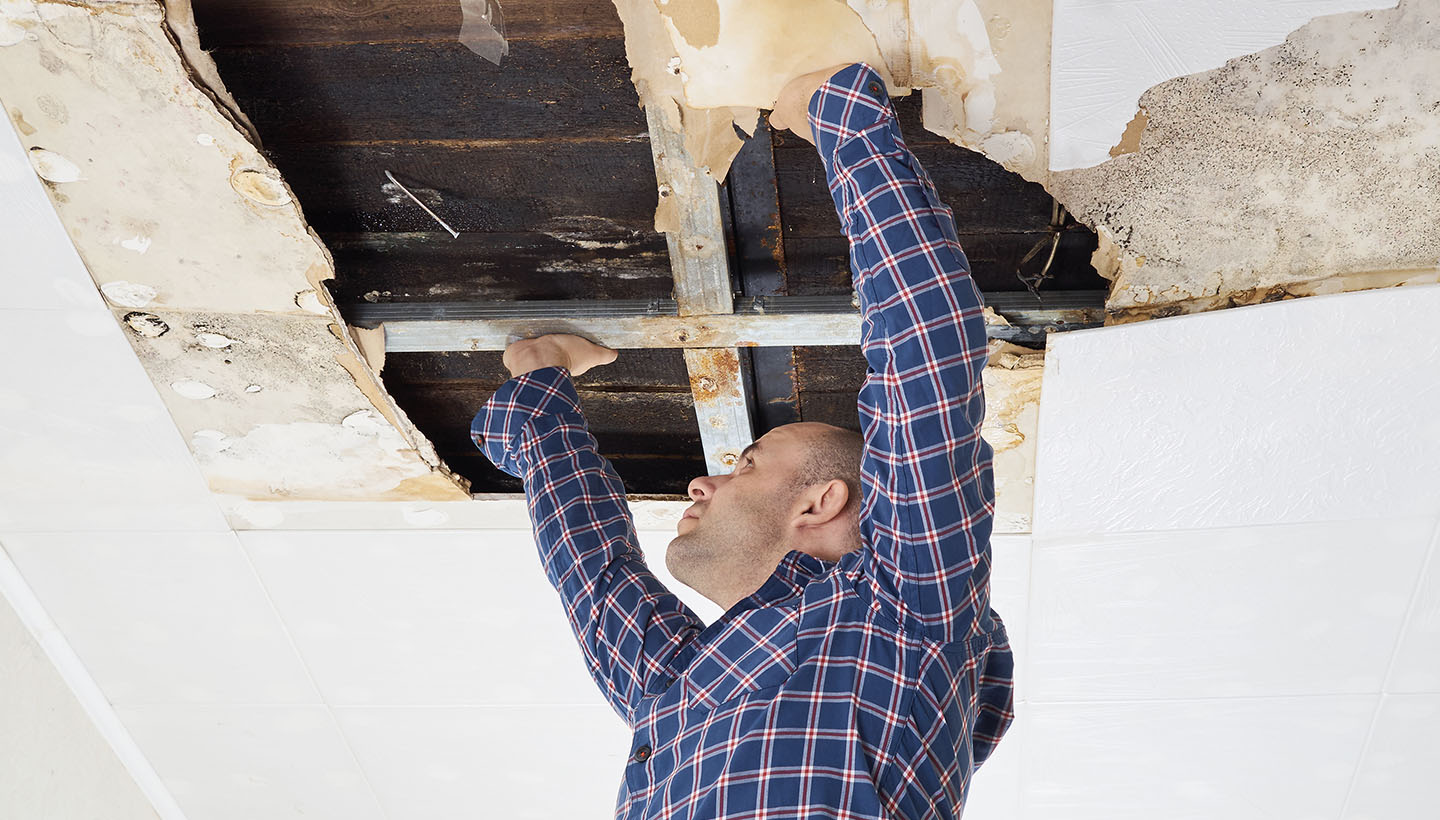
830	369
495	188
574	261
651	437
434	91
830	408
984	196
820	266
248	22
641	475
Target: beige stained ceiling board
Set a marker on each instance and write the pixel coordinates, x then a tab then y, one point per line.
204	256
1307	167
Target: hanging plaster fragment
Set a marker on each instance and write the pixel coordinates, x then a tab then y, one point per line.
193	390
309	300
755	49
214	341
482	29
52	167
260	187
137	243
129	294
147	325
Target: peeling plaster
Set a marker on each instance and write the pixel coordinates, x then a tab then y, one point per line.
1309	167
174	210
1301	168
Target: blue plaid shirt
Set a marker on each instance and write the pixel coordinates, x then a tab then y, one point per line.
871	687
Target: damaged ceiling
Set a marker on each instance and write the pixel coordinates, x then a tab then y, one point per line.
1296	169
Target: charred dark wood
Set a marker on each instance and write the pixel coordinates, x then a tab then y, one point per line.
247	22
558	89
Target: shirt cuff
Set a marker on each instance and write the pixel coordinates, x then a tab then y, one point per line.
497	428
851	101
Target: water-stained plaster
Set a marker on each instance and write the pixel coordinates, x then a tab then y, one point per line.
1309	167
1107	53
193	237
1302	168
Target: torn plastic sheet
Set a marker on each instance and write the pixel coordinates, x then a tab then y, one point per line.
482	29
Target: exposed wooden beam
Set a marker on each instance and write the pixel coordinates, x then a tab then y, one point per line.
779	321
698	260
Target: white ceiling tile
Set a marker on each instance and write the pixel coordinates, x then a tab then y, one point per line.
1251	759
425	617
1417	659
1397	779
164	617
1276	413
518	762
1282	610
87	443
1010	597
249	762
42	268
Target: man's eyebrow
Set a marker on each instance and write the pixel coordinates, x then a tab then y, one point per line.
753	448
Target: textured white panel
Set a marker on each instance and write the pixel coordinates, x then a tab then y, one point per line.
41	268
442	617
57	762
518	763
1106	53
1303	609
250	762
1010	597
1255	759
164	617
1397	778
87	445
1417	659
1314	409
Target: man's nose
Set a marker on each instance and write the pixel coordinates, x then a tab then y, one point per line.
702	488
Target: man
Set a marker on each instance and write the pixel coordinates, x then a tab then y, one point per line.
858	671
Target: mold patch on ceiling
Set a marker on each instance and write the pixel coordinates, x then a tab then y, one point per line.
1309	167
203	255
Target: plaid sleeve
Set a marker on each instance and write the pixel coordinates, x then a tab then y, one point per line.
632	630
927	479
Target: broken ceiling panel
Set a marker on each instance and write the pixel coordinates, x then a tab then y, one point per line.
1309	167
1107	53
201	250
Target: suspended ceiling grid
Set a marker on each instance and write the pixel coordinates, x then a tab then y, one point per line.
544	166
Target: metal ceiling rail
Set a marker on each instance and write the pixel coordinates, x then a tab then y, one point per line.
763	321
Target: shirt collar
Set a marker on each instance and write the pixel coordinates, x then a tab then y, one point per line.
795	571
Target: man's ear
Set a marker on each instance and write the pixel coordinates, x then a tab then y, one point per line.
822	503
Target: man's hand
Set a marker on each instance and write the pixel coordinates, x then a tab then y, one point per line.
792	110
573	353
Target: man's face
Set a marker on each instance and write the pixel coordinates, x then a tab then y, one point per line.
731	537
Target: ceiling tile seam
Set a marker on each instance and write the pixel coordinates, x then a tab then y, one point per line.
1070	539
1427	565
1285	698
310	675
1365	748
58	651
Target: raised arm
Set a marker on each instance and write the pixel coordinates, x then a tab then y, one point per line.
927	480
630	628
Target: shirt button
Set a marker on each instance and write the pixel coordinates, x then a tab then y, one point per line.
874	88
642	754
